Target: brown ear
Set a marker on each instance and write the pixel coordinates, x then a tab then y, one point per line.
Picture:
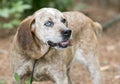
25	38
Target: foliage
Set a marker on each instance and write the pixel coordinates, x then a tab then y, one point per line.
11	13
2	82
17	78
62	5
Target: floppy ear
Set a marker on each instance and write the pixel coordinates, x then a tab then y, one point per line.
97	29
25	38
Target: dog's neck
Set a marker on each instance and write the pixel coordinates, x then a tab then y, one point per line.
41	45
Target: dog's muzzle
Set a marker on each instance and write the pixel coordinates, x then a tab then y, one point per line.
63	44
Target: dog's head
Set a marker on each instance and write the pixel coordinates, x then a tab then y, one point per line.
50	26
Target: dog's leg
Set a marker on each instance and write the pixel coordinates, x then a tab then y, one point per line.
69	78
22	73
90	62
59	75
60	78
94	70
68	75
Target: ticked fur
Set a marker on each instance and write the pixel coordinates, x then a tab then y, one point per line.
30	43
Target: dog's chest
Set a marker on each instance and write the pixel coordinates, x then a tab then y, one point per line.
46	71
53	64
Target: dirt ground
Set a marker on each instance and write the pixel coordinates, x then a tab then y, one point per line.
109	53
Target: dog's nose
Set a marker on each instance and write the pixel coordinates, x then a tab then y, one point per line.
66	33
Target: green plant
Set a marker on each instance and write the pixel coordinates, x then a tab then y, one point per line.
17	78
11	11
2	82
64	5
11	14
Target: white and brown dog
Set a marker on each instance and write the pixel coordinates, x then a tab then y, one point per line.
56	39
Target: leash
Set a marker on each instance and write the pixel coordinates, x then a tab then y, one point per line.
33	69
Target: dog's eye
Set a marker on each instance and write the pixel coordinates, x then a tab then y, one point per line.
49	23
63	20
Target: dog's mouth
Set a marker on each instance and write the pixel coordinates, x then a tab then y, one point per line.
62	44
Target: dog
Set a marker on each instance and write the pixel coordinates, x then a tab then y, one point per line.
56	39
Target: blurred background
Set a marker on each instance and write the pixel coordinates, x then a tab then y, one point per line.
106	12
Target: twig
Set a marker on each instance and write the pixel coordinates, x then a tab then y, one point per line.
117	77
111	22
105	68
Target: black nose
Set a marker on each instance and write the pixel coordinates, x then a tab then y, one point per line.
66	33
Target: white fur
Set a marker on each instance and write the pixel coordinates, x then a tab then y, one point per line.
79	57
49	33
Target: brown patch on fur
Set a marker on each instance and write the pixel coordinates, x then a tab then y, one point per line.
27	40
25	37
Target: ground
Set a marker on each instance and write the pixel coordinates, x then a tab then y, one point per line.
109	53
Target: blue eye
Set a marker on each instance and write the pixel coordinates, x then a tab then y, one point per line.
49	24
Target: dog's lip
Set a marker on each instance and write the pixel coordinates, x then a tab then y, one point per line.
62	44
